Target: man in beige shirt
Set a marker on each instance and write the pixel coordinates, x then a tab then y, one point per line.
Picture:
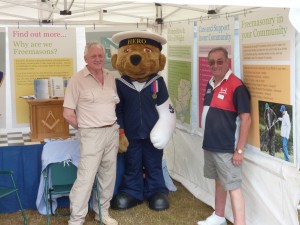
89	106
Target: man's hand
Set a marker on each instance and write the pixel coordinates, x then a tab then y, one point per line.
237	159
70	116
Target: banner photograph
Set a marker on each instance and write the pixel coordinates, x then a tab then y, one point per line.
268	65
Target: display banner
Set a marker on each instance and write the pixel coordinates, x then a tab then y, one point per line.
267	43
180	69
2	78
212	33
37	53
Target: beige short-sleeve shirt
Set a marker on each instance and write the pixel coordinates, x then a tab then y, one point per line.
93	102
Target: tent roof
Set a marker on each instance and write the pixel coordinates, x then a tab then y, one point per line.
108	12
88	12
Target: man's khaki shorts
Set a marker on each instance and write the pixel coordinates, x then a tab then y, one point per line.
219	166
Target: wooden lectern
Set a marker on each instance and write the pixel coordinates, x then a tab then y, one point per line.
46	119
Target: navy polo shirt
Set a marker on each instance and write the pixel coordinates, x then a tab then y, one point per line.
220	113
136	111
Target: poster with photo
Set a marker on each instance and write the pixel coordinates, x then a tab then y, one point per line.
267	41
275	126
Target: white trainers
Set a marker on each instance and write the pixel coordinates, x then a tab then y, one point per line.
213	219
106	220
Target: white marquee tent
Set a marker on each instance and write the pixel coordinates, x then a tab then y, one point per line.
95	12
271	187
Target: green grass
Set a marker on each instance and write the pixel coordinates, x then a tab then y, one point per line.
184	209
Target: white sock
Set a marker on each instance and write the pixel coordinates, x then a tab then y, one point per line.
219	218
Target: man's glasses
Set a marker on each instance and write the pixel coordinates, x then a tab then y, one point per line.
213	62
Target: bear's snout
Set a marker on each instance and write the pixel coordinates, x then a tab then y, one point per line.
135	59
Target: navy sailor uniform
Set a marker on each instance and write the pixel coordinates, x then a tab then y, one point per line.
137	115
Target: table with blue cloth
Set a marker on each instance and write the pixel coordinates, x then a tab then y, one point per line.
25	161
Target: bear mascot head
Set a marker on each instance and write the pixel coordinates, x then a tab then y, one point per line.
146	117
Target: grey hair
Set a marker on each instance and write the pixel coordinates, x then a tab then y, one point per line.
222	49
91	44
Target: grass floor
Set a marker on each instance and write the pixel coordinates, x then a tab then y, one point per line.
184	209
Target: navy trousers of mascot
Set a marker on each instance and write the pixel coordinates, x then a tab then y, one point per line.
143	156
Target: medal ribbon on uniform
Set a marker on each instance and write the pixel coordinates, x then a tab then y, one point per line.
154	89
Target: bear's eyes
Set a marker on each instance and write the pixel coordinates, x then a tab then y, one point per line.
127	50
147	50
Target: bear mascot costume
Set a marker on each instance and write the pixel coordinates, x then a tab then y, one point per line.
146	117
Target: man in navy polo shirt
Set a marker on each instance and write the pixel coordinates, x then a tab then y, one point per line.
226	101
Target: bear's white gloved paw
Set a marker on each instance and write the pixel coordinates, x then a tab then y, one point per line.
164	127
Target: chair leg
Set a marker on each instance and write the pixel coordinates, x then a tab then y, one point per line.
22	210
47	208
46	197
50	200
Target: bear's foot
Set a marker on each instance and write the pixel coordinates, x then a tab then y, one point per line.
158	201
124	201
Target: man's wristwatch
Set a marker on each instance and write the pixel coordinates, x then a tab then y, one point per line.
240	151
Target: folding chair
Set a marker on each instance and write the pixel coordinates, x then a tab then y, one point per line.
59	179
7	190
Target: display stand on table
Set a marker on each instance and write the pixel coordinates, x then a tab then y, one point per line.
46	119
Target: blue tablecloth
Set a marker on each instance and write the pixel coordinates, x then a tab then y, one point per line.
26	163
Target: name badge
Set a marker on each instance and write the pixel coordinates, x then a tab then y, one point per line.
220	96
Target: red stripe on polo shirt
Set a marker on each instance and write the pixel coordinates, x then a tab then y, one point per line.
223	94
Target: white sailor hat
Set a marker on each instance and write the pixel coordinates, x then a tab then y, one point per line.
139	37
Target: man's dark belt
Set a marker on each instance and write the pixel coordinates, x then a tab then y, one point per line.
105	126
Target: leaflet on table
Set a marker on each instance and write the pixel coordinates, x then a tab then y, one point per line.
27	97
41	88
